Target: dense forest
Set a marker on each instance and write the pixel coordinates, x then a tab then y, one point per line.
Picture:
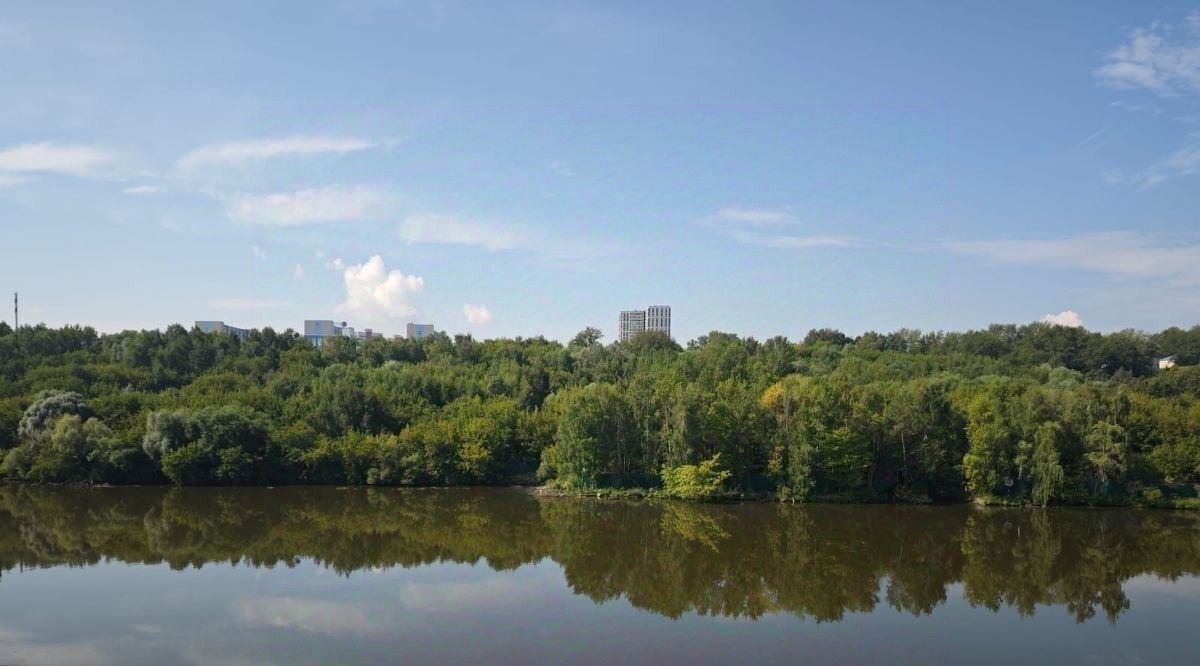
1024	414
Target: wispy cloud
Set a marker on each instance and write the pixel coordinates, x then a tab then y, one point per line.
766	227
373	293
1118	254
237	152
310	206
313	616
75	160
478	315
142	190
447	229
298	273
258	252
1162	58
1182	162
246	304
752	217
1065	318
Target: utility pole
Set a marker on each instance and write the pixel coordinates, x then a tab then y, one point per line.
16	314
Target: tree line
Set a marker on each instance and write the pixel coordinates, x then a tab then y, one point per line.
1024	414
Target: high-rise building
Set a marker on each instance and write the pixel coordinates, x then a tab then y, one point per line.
222	327
653	318
419	331
316	331
632	323
658	318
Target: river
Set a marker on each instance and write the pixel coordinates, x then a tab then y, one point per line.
500	576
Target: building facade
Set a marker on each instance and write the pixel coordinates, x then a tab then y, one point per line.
419	331
222	327
317	331
632	323
658	318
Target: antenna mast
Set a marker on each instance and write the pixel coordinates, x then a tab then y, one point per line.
16	314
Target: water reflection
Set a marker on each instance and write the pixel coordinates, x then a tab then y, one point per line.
744	561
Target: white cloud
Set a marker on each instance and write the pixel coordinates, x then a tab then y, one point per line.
235	152
50	157
751	217
142	190
1119	254
8	181
748	226
1065	318
1182	162
373	293
335	264
313	616
445	229
792	242
1162	58
246	304
298	273
258	252
311	206
477	314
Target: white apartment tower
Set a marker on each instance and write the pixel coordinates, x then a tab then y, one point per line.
632	323
654	318
658	318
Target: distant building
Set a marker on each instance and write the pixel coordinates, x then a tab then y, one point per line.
222	327
368	334
658	318
653	318
1166	362
317	331
419	331
632	323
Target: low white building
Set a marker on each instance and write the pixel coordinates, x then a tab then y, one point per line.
419	331
1166	362
222	327
316	331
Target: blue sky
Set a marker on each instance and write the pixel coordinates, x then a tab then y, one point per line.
533	168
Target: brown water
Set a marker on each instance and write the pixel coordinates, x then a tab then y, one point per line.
322	575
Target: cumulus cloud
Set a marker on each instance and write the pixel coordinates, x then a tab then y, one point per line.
477	314
319	205
374	293
1065	318
1162	58
246	304
235	152
74	160
446	229
1119	254
335	264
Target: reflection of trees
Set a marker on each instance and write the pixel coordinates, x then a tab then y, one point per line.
671	558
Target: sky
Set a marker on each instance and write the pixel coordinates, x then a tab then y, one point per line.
532	168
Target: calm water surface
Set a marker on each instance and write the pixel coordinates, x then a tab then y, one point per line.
325	576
